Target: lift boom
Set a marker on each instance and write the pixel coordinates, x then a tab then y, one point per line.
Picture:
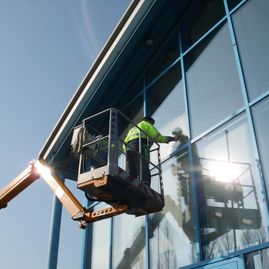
98	149
20	183
36	170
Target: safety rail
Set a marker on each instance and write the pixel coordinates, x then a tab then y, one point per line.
107	180
104	148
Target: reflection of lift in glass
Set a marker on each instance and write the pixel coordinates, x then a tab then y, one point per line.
227	205
98	143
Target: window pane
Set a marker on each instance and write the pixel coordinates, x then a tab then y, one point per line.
232	209
172	244
257	260
212	81
166	99
134	109
129	242
253	41
167	54
233	3
101	243
129	231
199	18
261	115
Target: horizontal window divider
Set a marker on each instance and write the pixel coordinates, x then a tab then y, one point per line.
181	148
163	73
219	124
205	35
259	98
237	7
228	256
137	96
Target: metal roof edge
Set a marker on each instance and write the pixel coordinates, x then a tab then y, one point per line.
130	19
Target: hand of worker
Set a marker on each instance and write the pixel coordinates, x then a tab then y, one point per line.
172	139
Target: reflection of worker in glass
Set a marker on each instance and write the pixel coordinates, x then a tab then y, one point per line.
148	134
178	133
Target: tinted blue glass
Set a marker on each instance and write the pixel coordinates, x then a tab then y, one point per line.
165	56
134	109
233	3
129	242
261	116
231	200
173	242
257	260
165	99
200	16
100	244
251	24
212	81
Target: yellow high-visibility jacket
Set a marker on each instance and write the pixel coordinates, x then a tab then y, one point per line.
149	130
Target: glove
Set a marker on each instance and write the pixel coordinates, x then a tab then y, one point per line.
171	139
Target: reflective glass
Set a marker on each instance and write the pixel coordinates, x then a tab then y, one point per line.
128	242
129	231
100	244
165	100
261	116
199	18
172	242
257	260
231	200
165	56
251	24
134	109
212	81
233	3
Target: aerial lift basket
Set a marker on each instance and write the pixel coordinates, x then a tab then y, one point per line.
99	145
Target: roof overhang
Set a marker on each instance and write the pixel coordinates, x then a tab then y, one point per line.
115	44
122	60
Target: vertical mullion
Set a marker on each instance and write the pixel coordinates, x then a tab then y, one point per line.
55	229
111	244
145	109
264	191
86	256
194	180
147	241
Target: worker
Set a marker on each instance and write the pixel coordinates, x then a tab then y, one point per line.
149	134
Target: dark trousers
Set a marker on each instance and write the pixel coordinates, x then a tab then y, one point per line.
134	160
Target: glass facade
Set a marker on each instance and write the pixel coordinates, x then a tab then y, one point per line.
257	260
172	230
128	242
199	18
210	89
260	114
168	92
101	244
209	79
253	41
230	197
159	63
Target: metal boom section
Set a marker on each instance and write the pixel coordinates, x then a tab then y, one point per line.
38	169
